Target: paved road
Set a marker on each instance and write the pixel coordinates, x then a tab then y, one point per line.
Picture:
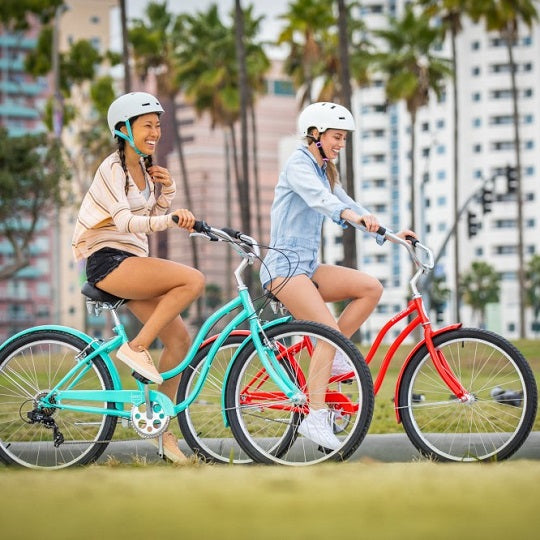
385	448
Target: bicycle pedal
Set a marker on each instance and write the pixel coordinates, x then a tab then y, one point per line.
324	450
140	378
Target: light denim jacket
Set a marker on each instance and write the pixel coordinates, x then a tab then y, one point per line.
301	202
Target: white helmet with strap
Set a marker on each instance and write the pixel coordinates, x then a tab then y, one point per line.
129	106
325	115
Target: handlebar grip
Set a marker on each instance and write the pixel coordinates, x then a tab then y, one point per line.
381	230
412	240
200	226
233	233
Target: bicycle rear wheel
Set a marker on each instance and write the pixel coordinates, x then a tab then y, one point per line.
265	422
489	427
202	423
29	367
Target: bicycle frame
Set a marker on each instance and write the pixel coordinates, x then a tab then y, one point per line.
66	390
414	306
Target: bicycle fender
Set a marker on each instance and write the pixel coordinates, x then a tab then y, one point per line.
243	345
76	333
410	356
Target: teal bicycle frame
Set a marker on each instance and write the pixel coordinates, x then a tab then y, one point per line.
65	390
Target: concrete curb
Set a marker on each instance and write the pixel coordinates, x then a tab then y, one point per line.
391	448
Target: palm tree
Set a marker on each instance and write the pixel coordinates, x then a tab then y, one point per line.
412	71
155	42
480	286
504	17
532	285
209	77
307	23
450	13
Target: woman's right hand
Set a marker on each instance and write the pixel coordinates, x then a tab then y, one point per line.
186	220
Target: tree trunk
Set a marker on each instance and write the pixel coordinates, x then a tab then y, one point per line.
509	37
256	179
349	236
244	102
187	192
457	306
125	48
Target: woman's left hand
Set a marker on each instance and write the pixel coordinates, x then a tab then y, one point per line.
405	233
160	175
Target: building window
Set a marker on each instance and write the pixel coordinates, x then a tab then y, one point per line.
477	148
475	45
476	96
475	71
477	122
283	88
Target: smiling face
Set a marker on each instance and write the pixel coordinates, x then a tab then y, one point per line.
332	141
146	131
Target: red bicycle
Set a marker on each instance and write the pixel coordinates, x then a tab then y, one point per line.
463	394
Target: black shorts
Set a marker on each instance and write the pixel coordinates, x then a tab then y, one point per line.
102	262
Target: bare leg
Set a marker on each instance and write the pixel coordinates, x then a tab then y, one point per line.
143	278
176	342
338	283
305	301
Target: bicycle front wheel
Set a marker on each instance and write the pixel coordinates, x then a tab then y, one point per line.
265	422
49	437
202	423
493	423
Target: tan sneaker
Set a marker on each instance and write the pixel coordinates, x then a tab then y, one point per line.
139	361
170	448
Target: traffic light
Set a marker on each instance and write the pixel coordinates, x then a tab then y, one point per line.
511	179
472	224
487	200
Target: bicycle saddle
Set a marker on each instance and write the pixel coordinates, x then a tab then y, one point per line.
98	295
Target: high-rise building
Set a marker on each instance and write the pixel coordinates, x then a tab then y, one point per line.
26	299
382	165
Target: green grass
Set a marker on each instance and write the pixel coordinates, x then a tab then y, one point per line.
364	500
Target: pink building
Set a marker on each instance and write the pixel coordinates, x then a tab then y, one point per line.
213	182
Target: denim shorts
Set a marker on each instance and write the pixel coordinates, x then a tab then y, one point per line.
289	262
102	262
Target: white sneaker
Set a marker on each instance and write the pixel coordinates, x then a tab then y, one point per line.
316	427
340	365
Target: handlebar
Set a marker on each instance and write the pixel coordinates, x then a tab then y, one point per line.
410	243
245	245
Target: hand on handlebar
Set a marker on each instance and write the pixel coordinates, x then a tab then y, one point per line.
369	221
184	218
408	235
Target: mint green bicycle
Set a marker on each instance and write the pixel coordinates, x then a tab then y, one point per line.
61	395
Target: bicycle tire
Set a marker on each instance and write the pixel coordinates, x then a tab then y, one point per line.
29	367
202	423
267	427
491	427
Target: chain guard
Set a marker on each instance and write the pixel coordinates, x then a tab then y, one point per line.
152	426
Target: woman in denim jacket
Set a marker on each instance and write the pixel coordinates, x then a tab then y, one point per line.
306	193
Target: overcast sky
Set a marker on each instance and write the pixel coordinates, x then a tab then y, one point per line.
269	8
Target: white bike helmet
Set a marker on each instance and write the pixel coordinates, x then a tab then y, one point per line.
129	106
325	115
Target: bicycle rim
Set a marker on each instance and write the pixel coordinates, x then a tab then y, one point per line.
29	368
265	422
202	423
494	423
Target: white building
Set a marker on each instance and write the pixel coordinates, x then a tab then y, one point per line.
382	155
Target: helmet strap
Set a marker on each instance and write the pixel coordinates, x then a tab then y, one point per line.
319	146
129	138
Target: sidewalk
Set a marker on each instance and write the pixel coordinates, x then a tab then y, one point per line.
392	448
